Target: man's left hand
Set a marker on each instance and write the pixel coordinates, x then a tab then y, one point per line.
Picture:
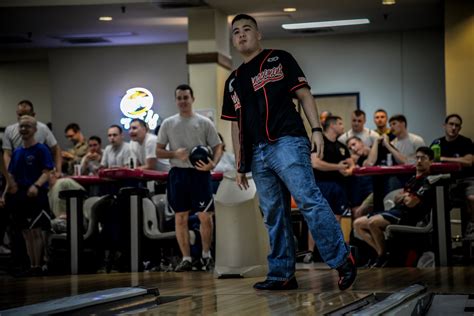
201	166
317	144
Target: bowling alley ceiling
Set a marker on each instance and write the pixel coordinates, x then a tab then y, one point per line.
73	23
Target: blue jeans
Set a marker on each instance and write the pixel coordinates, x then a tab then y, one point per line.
280	169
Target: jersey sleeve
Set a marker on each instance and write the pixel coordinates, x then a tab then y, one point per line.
162	137
231	100
50	139
293	73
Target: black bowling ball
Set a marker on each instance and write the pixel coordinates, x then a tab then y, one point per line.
200	152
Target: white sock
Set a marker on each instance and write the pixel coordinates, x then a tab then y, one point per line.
206	254
187	259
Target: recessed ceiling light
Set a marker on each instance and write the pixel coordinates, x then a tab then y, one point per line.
314	25
388	2
105	18
289	10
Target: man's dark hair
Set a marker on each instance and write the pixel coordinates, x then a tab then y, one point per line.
27	102
74	126
96	138
243	16
358	113
117	127
427	151
331	119
184	87
380	110
399	118
140	121
453	115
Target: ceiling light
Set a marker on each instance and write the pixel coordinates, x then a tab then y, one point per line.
105	18
314	25
289	10
388	2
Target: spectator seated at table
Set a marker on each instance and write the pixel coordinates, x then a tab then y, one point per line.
143	147
29	169
360	187
401	150
74	155
117	153
411	206
90	163
458	148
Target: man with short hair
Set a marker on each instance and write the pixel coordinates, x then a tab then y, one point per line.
458	148
90	163
143	147
117	153
29	170
358	120
189	187
380	121
270	140
331	171
411	206
74	155
12	136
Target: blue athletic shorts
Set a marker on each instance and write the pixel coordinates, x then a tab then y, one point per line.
190	190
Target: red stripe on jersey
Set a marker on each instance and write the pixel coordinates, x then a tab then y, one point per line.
298	85
227	116
266	99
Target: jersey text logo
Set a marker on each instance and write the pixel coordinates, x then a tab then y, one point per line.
267	75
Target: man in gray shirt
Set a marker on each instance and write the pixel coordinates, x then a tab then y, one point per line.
189	187
43	135
117	153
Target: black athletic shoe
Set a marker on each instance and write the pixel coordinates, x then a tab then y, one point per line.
207	264
273	285
347	273
380	262
184	265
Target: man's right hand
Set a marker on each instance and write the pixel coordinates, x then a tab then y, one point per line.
242	181
181	154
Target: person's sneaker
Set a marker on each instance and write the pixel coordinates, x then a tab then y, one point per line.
380	262
273	285
308	258
4	250
469	232
184	265
207	264
347	273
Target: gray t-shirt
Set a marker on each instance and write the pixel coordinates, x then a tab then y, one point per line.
142	152
12	137
408	146
116	157
187	132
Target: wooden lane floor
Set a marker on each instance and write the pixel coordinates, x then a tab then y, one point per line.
317	294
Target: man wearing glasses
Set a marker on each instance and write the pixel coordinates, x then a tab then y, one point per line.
411	205
74	155
458	148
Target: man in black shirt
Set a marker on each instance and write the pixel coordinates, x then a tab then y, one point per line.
270	140
411	206
458	148
331	171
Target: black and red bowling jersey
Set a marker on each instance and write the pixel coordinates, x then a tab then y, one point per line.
259	95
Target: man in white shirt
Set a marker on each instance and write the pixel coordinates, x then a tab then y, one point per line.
358	121
117	153
143	147
43	135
